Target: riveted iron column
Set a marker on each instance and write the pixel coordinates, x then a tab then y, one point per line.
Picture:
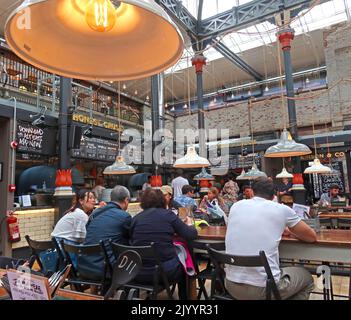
199	61
285	36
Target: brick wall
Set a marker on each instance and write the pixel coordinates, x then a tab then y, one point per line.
39	224
322	106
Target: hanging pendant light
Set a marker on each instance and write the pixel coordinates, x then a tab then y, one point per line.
191	160
204	175
119	167
284	174
317	167
287	147
241	176
96	39
253	173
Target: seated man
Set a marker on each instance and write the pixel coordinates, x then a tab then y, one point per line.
332	195
186	199
247	193
109	222
258	224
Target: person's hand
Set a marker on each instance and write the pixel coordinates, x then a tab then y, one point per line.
102	204
188	221
286	232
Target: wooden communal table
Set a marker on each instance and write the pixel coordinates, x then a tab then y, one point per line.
332	245
335	215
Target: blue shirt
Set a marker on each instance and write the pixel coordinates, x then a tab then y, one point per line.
108	222
186	201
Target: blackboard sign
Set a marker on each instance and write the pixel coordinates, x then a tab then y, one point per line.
96	149
35	140
328	180
322	182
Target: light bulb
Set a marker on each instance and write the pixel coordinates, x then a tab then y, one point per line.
100	15
124	86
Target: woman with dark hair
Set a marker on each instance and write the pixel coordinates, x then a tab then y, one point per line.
159	225
71	227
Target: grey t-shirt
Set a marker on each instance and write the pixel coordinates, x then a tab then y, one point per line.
254	225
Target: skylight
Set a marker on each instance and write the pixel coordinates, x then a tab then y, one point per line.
318	17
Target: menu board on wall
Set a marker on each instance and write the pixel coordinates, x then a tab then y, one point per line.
96	149
328	180
32	139
322	182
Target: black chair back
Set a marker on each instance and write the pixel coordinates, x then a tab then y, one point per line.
125	270
220	258
96	249
10	263
147	254
344	223
326	222
38	247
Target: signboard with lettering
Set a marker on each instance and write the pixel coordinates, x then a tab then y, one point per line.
96	149
32	139
322	182
328	180
25	286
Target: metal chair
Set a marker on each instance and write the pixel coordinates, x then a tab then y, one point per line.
220	258
76	279
198	250
37	249
343	223
147	253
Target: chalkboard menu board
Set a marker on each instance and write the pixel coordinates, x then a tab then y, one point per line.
322	182
328	180
96	149
35	140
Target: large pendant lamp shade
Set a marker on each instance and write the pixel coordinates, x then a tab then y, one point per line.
253	173
191	160
95	39
317	167
284	174
241	176
287	147
119	167
204	175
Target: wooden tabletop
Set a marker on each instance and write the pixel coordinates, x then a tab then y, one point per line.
346	215
324	237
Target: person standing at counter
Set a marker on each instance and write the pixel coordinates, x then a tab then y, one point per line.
99	188
178	183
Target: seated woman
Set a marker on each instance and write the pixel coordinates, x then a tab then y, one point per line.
211	201
71	227
159	225
171	204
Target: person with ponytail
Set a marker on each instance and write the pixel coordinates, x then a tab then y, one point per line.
71	227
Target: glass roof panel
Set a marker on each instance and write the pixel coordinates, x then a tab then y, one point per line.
317	17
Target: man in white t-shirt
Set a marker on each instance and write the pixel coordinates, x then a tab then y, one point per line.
258	224
178	183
